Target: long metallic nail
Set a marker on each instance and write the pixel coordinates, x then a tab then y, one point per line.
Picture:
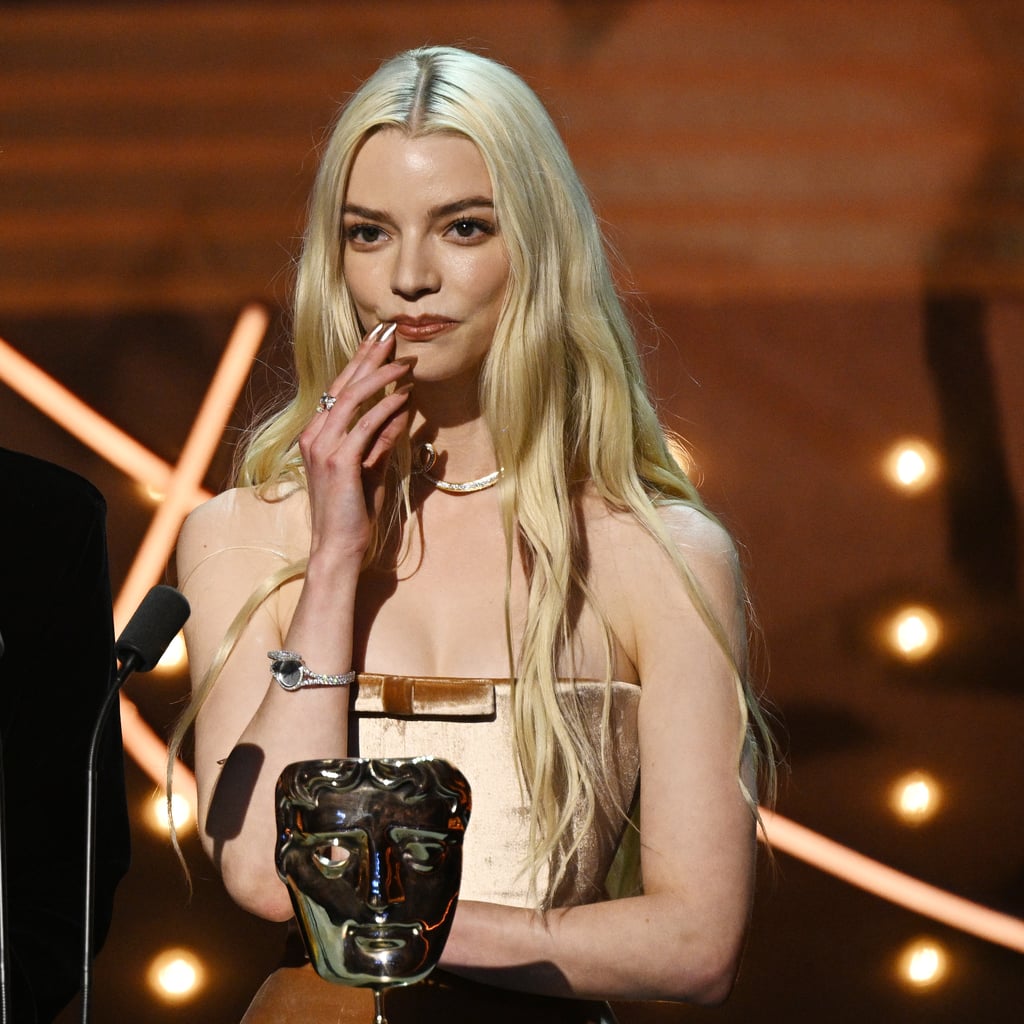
373	334
391	328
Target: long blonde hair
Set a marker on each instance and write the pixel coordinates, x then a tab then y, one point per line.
561	391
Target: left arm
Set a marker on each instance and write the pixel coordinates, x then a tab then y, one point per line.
681	939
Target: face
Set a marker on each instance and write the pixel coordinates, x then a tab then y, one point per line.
373	863
421	247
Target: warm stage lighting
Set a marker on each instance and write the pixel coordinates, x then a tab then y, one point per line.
181	809
912	465
915	798
913	633
176	975
683	457
890	884
180	489
923	964
174	657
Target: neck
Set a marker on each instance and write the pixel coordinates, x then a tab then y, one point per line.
450	420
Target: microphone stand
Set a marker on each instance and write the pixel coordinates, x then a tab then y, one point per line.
5	954
141	645
132	660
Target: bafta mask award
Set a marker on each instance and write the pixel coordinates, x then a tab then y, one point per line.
371	852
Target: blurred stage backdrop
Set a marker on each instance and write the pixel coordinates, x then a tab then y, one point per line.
818	208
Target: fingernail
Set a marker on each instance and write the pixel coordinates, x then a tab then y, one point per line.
391	328
373	334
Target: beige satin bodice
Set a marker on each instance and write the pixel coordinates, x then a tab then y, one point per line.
468	722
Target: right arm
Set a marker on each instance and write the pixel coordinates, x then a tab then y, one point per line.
249	728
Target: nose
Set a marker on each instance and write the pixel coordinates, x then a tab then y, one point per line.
385	887
415	272
377	896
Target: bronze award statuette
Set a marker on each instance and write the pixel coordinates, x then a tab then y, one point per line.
371	852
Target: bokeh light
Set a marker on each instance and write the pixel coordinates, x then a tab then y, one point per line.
912	465
913	632
181	808
915	797
923	964
152	493
176	975
174	657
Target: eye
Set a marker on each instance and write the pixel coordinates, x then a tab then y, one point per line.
332	858
421	850
471	229
423	856
364	234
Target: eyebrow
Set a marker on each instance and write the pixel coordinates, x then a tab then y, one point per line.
446	210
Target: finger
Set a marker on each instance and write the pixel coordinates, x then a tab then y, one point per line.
372	353
338	443
388	434
356	361
366	432
356	385
335	412
352	365
351	403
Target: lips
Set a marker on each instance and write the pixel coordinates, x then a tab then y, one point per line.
422	328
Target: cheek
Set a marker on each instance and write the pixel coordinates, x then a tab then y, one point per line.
490	280
362	281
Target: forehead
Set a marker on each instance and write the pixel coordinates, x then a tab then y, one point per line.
404	169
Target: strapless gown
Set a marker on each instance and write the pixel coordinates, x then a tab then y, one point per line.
468	722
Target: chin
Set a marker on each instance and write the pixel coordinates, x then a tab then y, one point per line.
385	953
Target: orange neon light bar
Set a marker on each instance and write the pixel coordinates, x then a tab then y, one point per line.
890	884
184	483
63	407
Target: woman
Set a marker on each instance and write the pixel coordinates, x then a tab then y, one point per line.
481	517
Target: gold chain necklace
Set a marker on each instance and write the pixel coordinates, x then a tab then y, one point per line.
423	462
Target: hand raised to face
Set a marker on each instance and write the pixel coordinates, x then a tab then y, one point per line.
348	442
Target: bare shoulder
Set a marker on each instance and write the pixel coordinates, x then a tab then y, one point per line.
622	538
230	547
647	584
699	537
242	520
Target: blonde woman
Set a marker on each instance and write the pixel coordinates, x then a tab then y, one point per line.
468	524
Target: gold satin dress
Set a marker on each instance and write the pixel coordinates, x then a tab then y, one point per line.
468	722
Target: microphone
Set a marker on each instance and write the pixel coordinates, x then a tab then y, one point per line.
154	625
